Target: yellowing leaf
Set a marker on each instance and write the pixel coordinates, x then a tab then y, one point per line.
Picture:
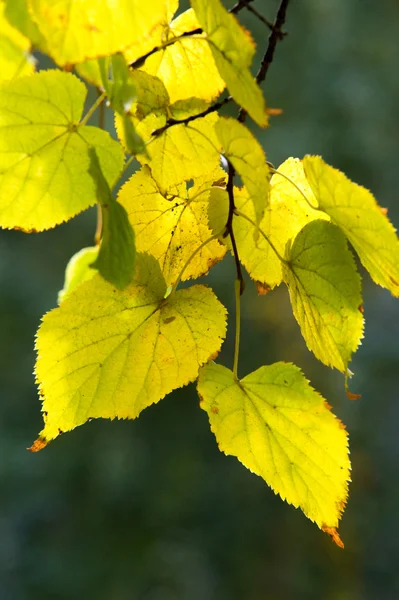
242	149
285	215
79	269
233	50
106	353
355	211
325	292
172	226
182	109
77	30
183	152
186	66
15	60
281	429
41	181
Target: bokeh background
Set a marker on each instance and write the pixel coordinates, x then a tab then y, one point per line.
149	509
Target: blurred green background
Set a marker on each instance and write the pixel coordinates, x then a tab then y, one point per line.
149	509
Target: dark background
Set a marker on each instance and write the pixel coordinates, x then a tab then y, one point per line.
149	509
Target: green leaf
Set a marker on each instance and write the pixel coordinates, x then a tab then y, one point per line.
79	269
233	49
184	152
77	30
106	353
245	153
281	429
325	292
117	253
172	226
356	212
186	67
15	60
45	160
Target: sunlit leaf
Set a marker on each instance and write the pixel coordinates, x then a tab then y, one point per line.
325	292
184	152
355	211
186	66
45	161
77	30
233	49
109	353
17	14
281	429
172	226
285	215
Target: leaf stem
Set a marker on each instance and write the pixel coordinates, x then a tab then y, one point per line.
272	246
237	287
93	109
229	224
276	172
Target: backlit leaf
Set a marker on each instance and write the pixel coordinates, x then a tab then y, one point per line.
245	153
325	292
281	429
355	211
41	181
184	152
17	14
186	67
172	226
15	60
285	215
77	30
79	269
233	49
106	353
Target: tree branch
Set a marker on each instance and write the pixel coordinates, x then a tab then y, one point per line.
229	225
275	35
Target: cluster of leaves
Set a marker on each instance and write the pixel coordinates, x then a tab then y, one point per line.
123	335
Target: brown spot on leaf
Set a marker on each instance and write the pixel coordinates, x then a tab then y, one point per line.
169	320
393	280
333	533
215	410
219	182
361	308
262	288
38	445
91	27
384	211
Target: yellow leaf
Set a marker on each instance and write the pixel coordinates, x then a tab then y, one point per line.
285	215
106	353
233	49
15	60
186	66
325	292
172	226
245	153
183	152
355	210
275	423
77	30
41	182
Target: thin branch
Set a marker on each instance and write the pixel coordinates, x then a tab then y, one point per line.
275	35
240	5
261	18
210	109
93	109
